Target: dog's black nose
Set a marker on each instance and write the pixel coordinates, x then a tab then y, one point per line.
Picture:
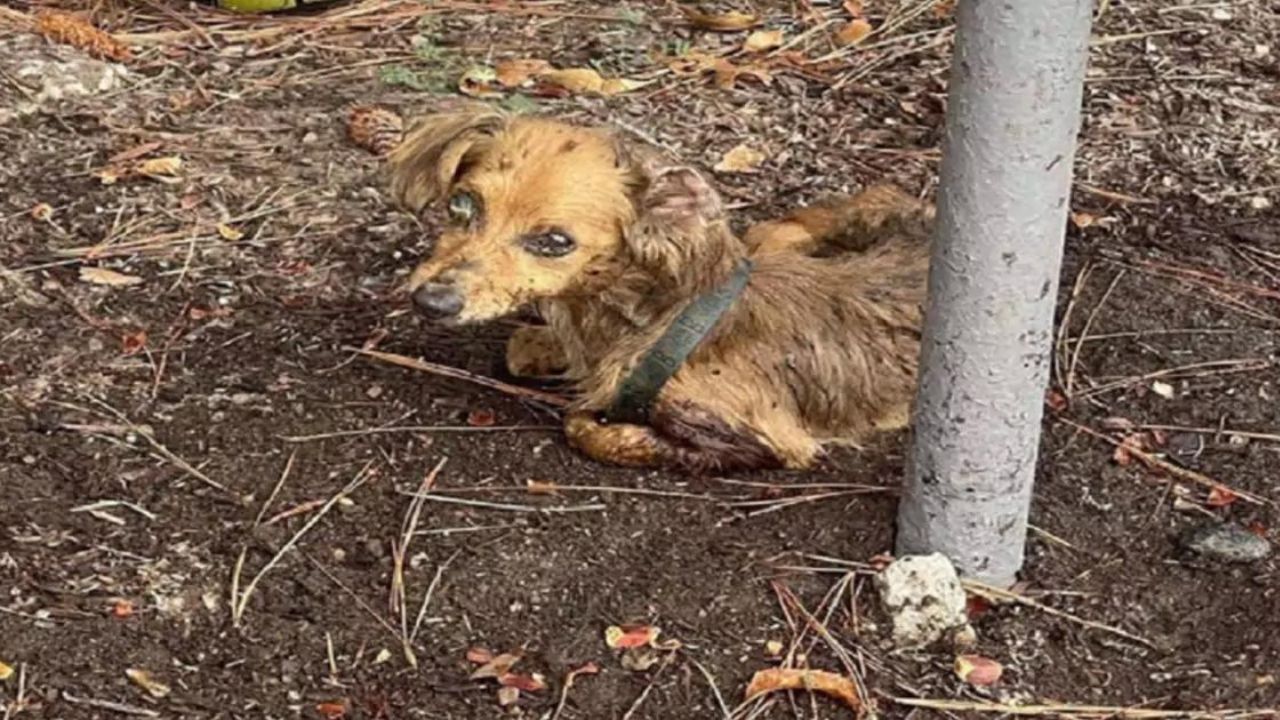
437	301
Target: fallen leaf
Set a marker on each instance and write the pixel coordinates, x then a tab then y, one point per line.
483	417
587	80
1056	401
134	342
42	212
1220	496
631	636
514	73
822	681
854	32
143	679
1083	220
123	608
479	655
762	40
6	671
854	8
383	656
1117	423
977	670
1257	528
741	159
773	648
975	606
497	667
105	276
542	487
508	696
590	668
526	683
333	710
1131	444
731	21
1163	389
479	82
229	233
159	167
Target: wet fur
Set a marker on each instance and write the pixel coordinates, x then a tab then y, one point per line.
820	348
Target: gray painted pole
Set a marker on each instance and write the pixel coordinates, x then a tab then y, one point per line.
1013	114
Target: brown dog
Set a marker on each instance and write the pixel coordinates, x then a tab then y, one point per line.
611	245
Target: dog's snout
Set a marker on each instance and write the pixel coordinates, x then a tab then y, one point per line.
438	301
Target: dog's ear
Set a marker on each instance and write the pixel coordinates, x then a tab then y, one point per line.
675	208
434	151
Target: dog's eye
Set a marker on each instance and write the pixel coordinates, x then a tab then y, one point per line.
462	207
550	244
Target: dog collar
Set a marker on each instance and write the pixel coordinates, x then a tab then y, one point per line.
641	386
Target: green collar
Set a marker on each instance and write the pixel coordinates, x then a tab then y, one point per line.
641	387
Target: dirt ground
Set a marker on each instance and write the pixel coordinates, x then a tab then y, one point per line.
164	435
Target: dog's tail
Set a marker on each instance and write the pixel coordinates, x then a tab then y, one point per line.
848	223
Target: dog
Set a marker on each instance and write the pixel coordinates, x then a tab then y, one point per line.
751	352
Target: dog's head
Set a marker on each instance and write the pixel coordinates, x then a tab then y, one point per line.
539	209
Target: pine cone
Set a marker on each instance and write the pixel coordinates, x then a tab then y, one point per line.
375	129
68	29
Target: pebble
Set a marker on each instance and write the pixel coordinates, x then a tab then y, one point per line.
1226	542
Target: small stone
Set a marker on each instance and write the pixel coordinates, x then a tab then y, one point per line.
1226	542
964	638
924	598
1260	203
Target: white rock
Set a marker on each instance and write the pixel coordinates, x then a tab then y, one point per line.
51	74
923	597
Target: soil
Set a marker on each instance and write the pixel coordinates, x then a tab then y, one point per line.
145	428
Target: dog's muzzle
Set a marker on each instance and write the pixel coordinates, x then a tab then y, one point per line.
438	301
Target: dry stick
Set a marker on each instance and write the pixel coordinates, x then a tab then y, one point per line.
1155	462
456	374
400	550
1269	437
995	593
115	707
1079	710
1060	367
237	610
284	475
1200	369
568	684
1088	323
724	708
513	508
431	590
164	451
415	429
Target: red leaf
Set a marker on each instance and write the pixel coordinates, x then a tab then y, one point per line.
630	636
122	608
976	606
333	710
482	418
497	667
1257	528
1221	496
134	342
479	655
977	670
525	683
1056	401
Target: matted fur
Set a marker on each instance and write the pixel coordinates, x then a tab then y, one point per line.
820	348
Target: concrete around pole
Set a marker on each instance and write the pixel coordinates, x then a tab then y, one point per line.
1012	119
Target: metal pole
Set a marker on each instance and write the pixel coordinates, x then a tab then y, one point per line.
1014	107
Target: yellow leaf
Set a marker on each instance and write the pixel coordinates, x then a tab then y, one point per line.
854	32
731	21
229	233
586	80
977	670
741	159
479	81
104	276
514	73
6	672
160	166
143	679
762	40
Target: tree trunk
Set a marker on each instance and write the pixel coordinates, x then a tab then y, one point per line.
1014	107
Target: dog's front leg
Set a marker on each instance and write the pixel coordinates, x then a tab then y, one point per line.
686	439
534	352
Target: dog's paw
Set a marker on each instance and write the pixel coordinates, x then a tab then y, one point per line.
620	444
